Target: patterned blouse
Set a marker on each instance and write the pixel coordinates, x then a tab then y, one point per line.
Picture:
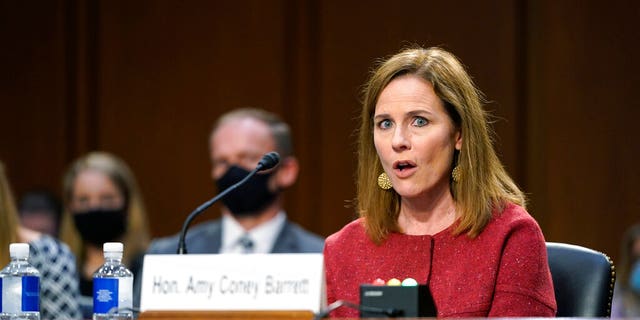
58	278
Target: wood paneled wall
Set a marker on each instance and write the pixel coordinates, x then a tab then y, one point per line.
146	79
582	117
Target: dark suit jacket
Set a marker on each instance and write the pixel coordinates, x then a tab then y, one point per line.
207	238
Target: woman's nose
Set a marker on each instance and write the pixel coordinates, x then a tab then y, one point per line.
400	140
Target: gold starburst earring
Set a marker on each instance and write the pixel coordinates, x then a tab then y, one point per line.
384	182
456	174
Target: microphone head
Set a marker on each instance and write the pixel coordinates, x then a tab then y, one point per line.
269	161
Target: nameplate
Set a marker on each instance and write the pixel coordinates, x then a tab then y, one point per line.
233	282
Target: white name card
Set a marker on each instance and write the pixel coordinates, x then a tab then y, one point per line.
233	282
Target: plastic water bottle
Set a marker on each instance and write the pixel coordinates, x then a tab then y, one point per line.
20	286
112	286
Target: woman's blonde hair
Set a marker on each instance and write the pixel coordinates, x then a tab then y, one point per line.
136	238
484	184
8	217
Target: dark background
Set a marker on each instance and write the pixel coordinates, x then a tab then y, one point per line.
145	80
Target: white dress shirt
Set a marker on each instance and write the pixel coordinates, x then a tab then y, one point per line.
263	236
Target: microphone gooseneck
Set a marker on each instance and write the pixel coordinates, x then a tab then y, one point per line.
267	162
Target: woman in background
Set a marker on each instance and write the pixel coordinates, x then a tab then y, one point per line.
53	259
626	296
435	203
102	204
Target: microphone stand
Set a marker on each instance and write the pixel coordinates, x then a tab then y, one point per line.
182	246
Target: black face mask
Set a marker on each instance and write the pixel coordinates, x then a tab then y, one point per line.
97	226
249	198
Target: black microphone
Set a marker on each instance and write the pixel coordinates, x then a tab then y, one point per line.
267	162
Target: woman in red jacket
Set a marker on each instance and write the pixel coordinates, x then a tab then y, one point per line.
435	203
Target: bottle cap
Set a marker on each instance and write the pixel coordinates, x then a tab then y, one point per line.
19	250
113	247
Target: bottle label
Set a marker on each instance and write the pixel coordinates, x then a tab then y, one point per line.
11	289
105	294
30	294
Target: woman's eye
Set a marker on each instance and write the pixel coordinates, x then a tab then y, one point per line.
420	122
79	205
384	124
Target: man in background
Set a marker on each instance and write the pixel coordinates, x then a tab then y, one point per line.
253	219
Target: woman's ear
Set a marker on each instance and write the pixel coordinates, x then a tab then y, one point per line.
458	136
287	173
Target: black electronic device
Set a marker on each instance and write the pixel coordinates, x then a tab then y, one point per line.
406	301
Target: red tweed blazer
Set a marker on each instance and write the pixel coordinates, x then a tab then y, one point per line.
501	273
